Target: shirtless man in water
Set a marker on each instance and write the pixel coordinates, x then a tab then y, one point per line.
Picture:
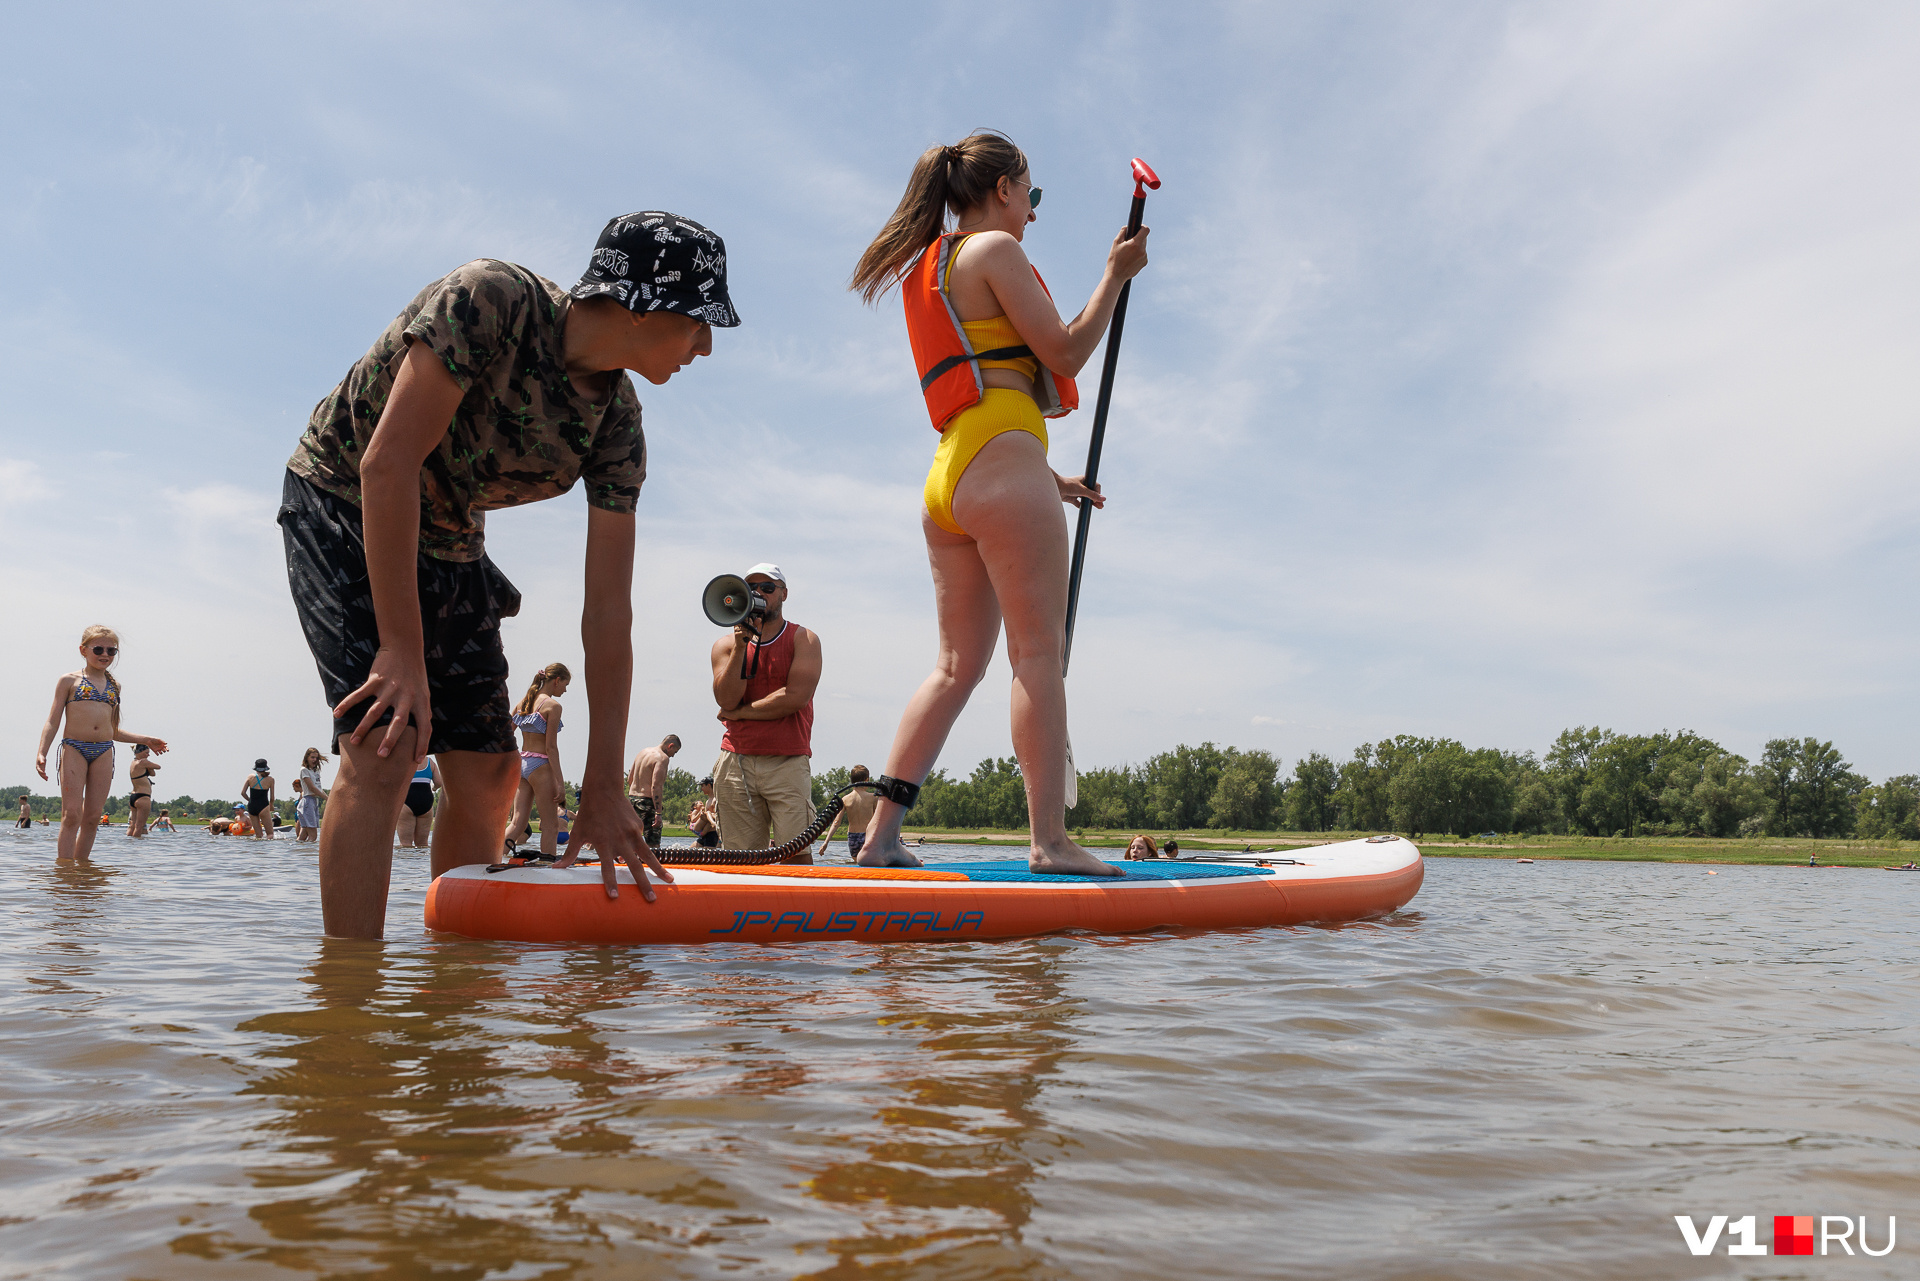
647	782
857	810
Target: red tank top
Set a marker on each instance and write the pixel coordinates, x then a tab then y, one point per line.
790	735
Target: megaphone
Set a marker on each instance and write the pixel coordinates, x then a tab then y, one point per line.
728	601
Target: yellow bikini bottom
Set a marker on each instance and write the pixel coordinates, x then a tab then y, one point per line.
1000	410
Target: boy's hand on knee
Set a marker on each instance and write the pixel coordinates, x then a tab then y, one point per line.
398	681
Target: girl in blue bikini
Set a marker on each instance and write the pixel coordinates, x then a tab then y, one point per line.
89	699
537	716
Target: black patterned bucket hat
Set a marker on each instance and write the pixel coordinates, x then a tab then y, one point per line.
657	261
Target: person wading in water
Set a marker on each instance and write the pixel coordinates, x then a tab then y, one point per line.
493	388
415	828
307	796
994	361
703	816
89	700
537	717
857	809
140	779
647	783
259	789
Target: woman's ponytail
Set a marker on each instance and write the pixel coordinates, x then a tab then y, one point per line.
945	178
541	679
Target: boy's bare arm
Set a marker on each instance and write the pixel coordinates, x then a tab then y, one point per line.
605	820
419	410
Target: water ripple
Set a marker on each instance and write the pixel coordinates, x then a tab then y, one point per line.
1527	1074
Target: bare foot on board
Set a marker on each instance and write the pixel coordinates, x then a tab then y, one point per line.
893	854
1068	859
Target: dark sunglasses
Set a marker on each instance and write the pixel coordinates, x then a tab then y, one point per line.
764	588
1033	194
108	650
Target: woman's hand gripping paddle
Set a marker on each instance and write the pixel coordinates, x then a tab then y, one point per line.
1143	178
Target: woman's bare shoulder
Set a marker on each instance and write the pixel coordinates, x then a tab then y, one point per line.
991	246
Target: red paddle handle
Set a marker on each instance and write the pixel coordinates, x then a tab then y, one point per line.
1143	178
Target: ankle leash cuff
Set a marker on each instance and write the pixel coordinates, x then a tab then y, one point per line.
897	790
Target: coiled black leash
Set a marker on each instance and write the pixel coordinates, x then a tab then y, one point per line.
885	787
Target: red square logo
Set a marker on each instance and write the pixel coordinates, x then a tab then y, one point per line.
1793	1234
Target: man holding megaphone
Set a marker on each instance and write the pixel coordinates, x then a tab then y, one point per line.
765	670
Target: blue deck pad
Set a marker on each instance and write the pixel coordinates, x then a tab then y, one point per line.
1013	869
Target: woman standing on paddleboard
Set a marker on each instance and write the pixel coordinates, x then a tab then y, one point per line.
994	360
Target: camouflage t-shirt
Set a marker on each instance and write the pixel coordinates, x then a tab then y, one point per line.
523	432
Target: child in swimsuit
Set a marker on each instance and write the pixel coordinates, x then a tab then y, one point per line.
703	817
140	803
259	789
306	806
537	716
415	828
89	702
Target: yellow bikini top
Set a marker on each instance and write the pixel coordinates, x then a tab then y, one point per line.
986	335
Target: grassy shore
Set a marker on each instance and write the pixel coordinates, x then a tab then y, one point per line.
1764	850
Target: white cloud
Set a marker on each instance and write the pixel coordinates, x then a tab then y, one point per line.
23	481
1734	358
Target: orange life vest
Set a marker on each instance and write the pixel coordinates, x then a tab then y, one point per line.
949	366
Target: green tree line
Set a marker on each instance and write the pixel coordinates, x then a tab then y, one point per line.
1591	781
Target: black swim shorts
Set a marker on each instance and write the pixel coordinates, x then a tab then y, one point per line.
461	605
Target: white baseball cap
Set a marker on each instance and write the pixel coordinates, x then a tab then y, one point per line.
770	570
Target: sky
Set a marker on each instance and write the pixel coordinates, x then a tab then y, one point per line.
1500	367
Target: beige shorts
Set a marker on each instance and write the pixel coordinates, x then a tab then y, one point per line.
764	800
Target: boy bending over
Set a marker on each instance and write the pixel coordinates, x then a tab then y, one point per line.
493	388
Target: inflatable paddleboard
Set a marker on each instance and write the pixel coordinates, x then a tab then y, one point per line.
974	900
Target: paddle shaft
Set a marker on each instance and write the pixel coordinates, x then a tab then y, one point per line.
1099	435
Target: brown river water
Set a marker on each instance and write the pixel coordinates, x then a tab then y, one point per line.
1526	1073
